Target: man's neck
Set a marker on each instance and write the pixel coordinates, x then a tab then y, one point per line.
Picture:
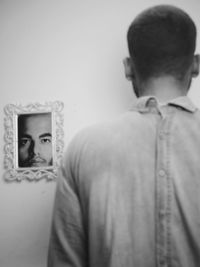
164	88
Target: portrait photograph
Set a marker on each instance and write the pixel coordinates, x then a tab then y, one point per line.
35	140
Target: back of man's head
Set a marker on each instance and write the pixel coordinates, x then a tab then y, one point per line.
161	41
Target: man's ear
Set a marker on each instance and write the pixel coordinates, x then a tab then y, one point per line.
128	67
195	65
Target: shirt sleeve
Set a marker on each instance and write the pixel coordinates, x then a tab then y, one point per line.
68	244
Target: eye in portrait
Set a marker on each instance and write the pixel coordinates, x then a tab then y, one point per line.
35	140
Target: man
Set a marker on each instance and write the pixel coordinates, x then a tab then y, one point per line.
129	191
35	140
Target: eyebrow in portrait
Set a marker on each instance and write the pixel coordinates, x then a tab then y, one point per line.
45	135
25	135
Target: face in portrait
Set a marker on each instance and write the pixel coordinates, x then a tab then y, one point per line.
35	140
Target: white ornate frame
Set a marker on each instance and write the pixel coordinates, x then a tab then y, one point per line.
12	111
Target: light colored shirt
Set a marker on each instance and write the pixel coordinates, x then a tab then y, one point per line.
128	193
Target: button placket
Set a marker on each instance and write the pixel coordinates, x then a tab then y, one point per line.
162	134
162	191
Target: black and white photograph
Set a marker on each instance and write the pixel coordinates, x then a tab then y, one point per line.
100	133
34	140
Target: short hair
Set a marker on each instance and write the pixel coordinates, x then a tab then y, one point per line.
161	41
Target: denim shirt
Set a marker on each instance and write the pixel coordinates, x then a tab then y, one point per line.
128	192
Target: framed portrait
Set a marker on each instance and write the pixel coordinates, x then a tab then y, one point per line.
34	140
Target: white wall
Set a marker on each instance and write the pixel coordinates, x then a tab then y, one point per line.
69	50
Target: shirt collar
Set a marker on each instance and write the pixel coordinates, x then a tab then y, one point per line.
184	102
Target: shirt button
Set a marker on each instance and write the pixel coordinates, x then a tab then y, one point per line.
162	173
163	262
161	213
161	135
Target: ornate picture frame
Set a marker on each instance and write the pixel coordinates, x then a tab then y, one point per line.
34	140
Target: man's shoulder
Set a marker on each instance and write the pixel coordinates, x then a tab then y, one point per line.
103	135
101	131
